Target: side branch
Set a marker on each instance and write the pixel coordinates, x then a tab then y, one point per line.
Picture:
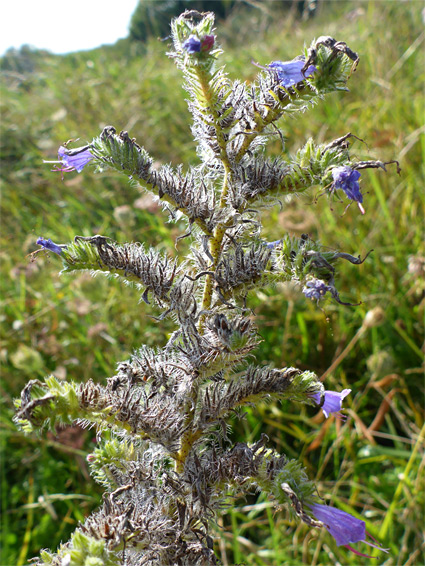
186	193
129	261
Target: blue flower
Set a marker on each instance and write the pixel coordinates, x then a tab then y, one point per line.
49	245
316	289
289	72
74	159
332	402
347	179
273	245
192	44
343	527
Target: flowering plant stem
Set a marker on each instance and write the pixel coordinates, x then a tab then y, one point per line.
164	455
215	248
215	243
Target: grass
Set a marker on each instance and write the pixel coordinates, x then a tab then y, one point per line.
79	328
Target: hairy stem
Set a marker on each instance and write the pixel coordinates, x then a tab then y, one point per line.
189	437
216	240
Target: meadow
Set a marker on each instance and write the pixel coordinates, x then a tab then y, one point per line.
372	464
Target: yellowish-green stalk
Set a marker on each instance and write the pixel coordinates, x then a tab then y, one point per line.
189	437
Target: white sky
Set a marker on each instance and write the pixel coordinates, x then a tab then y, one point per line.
63	26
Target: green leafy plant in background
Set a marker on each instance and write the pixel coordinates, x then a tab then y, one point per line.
164	454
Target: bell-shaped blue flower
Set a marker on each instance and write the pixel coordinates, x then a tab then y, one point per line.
332	402
342	526
192	44
289	72
73	159
49	245
347	179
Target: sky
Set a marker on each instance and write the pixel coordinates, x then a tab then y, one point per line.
63	27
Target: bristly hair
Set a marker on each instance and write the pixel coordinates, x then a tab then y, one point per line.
164	453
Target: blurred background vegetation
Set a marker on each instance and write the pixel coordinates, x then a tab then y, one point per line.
80	327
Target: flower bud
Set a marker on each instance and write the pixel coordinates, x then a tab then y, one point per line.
207	43
374	317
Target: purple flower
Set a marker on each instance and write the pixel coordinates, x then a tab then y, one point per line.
316	289
289	72
49	245
273	245
332	402
192	44
195	45
72	159
347	179
342	526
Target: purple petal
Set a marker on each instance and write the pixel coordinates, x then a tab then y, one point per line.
273	245
333	401
73	159
347	179
315	289
289	72
192	44
49	245
342	526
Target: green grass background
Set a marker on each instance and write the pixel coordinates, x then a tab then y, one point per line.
80	327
